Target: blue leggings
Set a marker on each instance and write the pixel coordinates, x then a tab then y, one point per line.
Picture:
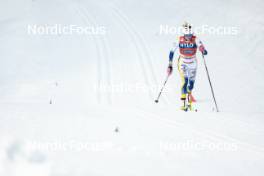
187	85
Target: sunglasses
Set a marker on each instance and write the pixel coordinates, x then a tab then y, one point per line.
188	36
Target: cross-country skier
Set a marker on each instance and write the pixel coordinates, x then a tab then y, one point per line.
187	63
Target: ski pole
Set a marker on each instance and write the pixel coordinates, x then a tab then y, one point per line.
212	90
157	100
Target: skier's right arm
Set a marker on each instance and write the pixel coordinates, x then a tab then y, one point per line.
170	67
171	56
172	51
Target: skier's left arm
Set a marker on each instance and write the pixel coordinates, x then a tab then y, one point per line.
202	48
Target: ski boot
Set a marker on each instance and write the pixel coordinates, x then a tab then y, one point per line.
184	107
189	105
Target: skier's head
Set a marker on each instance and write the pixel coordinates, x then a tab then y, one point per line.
187	30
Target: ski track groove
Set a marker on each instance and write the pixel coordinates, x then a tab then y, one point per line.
99	72
138	53
106	54
126	25
145	49
139	39
102	57
209	133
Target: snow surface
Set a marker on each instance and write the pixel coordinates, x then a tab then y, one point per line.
49	99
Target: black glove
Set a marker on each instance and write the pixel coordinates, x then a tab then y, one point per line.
169	69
